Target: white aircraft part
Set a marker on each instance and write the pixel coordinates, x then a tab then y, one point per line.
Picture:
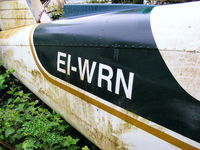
177	34
101	127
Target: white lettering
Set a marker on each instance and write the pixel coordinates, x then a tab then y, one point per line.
127	89
104	77
59	61
86	68
74	69
105	74
68	64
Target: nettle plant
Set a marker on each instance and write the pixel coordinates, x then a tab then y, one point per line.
27	125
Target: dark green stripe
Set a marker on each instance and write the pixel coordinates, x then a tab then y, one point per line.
78	10
122	40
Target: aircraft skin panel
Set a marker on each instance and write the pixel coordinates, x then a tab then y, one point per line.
15	13
179	42
118	62
112	84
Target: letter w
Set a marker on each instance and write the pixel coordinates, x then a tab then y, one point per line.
85	68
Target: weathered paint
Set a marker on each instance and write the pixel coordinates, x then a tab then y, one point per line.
18	13
94	39
13	4
102	128
180	42
105	124
14	14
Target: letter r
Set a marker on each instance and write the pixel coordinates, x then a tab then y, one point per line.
104	77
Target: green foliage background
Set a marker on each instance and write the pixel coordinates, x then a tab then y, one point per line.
25	124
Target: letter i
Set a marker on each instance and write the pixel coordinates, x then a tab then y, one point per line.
68	64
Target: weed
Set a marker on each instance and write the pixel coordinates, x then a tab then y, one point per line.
26	125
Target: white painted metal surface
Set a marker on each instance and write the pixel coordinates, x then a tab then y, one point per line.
102	128
177	38
112	127
15	13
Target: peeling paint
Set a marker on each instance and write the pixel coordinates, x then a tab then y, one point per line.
15	14
6	34
103	128
185	68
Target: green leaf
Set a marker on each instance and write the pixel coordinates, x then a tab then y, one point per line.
10	70
29	144
26	124
1	137
20	107
17	100
12	90
9	131
10	100
19	146
2	77
69	141
85	148
25	145
17	135
19	93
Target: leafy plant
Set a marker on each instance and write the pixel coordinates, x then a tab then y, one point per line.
56	13
85	148
27	125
